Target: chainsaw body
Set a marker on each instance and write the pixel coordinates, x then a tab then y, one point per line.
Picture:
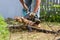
33	19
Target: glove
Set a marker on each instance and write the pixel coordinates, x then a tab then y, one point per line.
32	14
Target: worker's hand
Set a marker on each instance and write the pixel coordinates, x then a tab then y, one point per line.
32	14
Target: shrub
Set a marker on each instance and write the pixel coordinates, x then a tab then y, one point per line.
3	30
51	15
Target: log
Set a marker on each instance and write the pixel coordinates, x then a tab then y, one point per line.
25	21
32	25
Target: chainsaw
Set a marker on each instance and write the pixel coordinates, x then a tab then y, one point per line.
32	18
27	19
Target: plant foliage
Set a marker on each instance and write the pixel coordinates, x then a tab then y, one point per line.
3	30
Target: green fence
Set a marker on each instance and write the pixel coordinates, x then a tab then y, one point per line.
47	4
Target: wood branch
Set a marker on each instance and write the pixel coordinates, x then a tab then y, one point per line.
25	21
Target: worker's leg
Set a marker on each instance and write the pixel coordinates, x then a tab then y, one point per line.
28	26
38	13
37	17
24	14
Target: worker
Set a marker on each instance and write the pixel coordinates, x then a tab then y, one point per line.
33	6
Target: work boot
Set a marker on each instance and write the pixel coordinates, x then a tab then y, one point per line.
29	28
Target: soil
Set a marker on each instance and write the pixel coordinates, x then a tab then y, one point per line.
19	34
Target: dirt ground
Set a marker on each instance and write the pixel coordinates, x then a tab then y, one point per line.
25	35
